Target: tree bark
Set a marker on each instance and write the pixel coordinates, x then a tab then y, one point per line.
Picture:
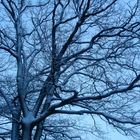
27	132
15	125
38	132
15	131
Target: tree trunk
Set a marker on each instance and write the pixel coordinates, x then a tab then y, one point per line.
38	132
27	132
15	131
15	125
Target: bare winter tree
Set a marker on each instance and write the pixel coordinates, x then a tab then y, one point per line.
69	57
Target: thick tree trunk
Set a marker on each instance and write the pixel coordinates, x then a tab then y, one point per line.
27	132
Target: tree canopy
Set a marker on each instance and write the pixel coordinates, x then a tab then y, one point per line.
69	57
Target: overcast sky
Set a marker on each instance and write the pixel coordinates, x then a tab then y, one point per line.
110	132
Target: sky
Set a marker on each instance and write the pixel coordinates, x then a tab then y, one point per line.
110	132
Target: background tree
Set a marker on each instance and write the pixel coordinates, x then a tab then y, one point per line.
69	57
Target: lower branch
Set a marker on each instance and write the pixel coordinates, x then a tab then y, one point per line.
108	117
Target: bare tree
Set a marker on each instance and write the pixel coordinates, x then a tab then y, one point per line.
69	57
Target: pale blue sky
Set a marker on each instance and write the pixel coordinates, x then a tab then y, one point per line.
110	132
